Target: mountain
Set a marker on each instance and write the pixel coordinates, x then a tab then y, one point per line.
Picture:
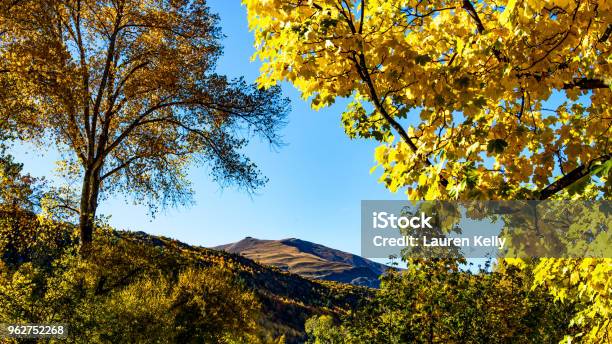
309	260
287	298
126	269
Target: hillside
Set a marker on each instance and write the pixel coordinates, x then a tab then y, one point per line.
126	269
287	298
309	260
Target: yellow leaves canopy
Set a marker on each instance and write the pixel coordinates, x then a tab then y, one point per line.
468	99
488	80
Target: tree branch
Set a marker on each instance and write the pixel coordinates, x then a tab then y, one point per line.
364	74
135	124
110	54
572	177
84	73
606	35
467	5
120	167
585	84
67	207
582	83
122	83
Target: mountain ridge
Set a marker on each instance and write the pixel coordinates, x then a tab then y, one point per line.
310	260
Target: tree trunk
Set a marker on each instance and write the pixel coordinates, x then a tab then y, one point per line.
89	206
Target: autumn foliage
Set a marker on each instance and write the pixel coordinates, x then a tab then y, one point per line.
487	100
468	100
128	91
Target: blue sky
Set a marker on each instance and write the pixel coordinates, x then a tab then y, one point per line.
316	181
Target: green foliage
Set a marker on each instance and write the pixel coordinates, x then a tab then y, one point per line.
322	330
20	229
139	287
17	190
147	289
434	301
130	291
587	284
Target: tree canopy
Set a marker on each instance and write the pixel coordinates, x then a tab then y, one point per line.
458	93
468	100
128	90
437	302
